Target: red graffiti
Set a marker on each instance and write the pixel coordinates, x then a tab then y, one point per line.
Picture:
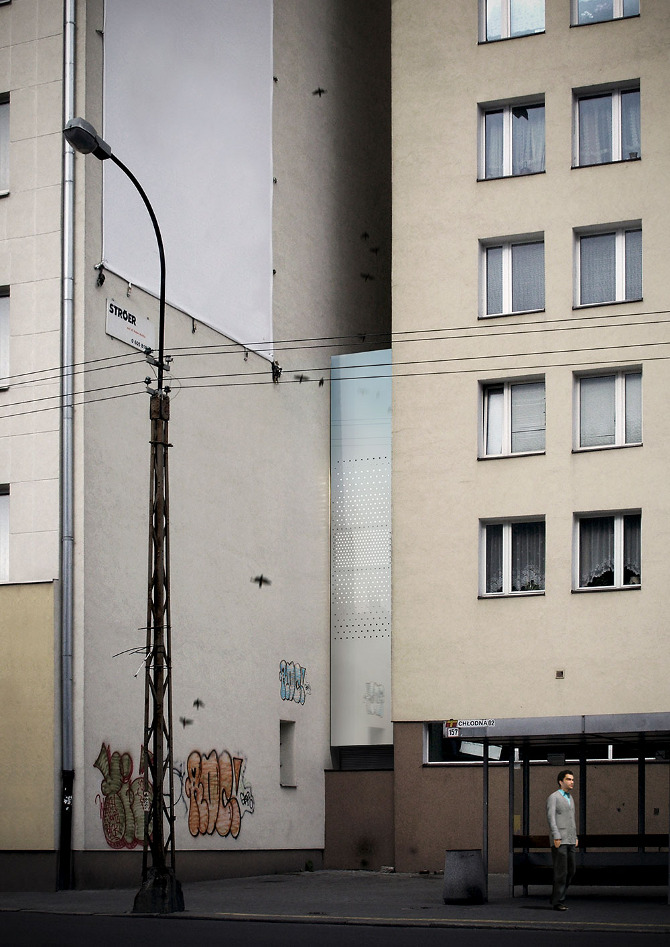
124	799
218	795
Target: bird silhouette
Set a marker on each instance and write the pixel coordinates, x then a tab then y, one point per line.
300	378
367	276
261	580
320	382
185	722
197	703
319	92
365	235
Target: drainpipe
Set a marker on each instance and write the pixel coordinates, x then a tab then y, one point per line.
65	866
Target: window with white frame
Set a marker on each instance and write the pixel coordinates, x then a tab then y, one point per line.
513	276
607	125
597	11
609	409
512	557
505	19
512	418
511	139
4	335
609	265
4	143
4	532
609	550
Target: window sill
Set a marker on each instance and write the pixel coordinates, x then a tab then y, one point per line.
520	312
608	588
599	447
505	39
498	595
525	453
605	164
611	302
614	19
513	177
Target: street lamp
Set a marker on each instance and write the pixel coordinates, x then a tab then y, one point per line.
160	891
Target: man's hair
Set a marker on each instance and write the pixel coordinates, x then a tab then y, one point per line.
563	773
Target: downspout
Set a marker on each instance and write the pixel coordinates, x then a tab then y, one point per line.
65	866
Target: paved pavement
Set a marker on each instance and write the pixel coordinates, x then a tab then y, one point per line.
367	897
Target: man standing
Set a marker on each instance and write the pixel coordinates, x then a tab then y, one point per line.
563	835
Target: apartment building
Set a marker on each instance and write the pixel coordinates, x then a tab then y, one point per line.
259	132
531	185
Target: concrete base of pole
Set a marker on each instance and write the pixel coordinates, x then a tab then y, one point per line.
160	894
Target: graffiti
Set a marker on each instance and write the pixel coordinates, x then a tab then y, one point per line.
374	698
124	800
292	682
218	794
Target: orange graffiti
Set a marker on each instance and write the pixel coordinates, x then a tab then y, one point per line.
217	792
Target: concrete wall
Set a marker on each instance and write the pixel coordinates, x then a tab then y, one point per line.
359	820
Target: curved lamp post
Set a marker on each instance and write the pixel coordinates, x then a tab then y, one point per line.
160	891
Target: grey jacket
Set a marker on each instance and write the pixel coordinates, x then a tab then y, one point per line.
561	818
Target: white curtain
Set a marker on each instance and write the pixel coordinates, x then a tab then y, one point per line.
493	137
4	146
633	264
494	558
527	557
526	16
494	408
632	571
633	382
595	11
528	416
596	551
630	124
528	139
597	268
596	411
595	130
527	276
494	280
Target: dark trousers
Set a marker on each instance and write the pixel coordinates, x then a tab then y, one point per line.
564	863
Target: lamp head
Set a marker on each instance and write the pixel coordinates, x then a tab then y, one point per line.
84	138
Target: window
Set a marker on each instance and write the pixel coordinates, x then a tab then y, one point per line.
4	532
609	409
513	557
513	277
287	771
609	551
503	19
597	11
513	418
609	266
512	140
607	126
4	335
4	144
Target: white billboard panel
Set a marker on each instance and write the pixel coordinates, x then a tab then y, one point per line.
188	109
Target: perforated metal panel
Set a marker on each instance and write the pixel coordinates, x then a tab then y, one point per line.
361	550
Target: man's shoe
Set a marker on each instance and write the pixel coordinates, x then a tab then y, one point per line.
560	907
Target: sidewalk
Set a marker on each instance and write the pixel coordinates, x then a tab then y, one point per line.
362	897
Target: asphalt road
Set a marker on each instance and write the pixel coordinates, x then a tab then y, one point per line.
29	929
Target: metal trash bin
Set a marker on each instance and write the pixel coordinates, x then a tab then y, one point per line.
464	878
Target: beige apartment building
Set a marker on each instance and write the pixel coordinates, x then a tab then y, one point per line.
531	514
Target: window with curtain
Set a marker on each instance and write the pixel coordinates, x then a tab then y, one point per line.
610	551
598	11
4	532
505	19
4	335
4	143
514	277
610	409
514	557
610	266
513	140
607	126
513	418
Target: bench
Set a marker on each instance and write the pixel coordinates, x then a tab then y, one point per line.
618	860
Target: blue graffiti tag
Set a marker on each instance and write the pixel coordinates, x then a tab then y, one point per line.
292	682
